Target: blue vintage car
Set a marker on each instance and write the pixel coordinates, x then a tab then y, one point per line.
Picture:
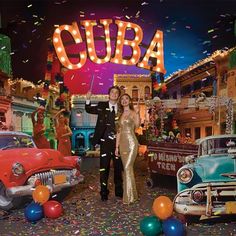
207	183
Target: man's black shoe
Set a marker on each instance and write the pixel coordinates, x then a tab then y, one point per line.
104	198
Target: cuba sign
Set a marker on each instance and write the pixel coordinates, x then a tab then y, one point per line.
154	51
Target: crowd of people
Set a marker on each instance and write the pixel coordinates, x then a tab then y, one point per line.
114	132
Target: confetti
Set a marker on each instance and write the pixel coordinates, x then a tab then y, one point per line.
210	31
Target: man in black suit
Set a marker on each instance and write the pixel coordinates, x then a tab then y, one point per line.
105	135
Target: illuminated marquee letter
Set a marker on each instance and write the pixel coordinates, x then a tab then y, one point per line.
121	41
88	25
60	49
157	41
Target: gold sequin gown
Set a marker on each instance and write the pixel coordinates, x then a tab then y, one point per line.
128	151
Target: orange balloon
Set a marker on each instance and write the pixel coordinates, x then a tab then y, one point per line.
162	207
41	194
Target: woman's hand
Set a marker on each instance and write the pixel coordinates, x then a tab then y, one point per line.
117	152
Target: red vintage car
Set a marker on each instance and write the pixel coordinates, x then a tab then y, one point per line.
23	166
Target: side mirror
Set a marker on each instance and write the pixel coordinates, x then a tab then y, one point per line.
190	159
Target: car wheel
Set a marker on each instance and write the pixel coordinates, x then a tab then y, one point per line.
150	183
60	196
7	203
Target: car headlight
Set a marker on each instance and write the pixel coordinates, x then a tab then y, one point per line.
18	169
185	175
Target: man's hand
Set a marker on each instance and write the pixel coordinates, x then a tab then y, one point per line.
88	95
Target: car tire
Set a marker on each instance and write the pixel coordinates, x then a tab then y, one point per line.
60	196
8	203
150	183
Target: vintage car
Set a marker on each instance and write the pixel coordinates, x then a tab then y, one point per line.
207	184
24	166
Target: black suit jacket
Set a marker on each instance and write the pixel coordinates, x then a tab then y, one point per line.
102	110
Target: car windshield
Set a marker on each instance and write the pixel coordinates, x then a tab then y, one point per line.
15	141
215	146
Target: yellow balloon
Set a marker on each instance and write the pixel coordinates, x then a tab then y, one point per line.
41	194
162	207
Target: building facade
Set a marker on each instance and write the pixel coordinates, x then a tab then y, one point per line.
209	80
82	123
139	87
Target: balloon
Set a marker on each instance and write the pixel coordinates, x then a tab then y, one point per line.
150	226
52	209
162	207
173	227
41	194
33	212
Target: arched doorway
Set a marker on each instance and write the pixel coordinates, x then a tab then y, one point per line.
79	141
91	146
135	93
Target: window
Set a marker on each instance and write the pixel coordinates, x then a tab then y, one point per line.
174	95
91	146
207	81
197	85
197	133
79	141
208	131
135	93
147	92
186	90
122	89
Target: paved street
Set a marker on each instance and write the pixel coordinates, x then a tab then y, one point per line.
85	214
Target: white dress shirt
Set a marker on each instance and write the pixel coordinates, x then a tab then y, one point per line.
115	105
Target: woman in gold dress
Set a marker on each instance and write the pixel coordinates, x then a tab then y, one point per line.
127	146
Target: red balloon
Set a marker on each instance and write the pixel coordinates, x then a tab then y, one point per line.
52	209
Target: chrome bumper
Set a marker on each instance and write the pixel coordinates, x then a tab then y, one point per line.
184	204
27	190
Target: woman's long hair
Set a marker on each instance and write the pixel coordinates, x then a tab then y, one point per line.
121	108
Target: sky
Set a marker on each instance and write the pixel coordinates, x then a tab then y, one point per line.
193	29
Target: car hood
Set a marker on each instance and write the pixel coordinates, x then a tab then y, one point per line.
33	158
210	168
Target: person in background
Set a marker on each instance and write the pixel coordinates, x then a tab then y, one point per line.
105	135
63	133
39	129
127	146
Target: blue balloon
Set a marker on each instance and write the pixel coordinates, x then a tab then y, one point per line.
173	227
33	212
150	226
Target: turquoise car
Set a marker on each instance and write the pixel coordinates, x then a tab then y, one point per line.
207	183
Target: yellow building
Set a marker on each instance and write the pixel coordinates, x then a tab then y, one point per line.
138	86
